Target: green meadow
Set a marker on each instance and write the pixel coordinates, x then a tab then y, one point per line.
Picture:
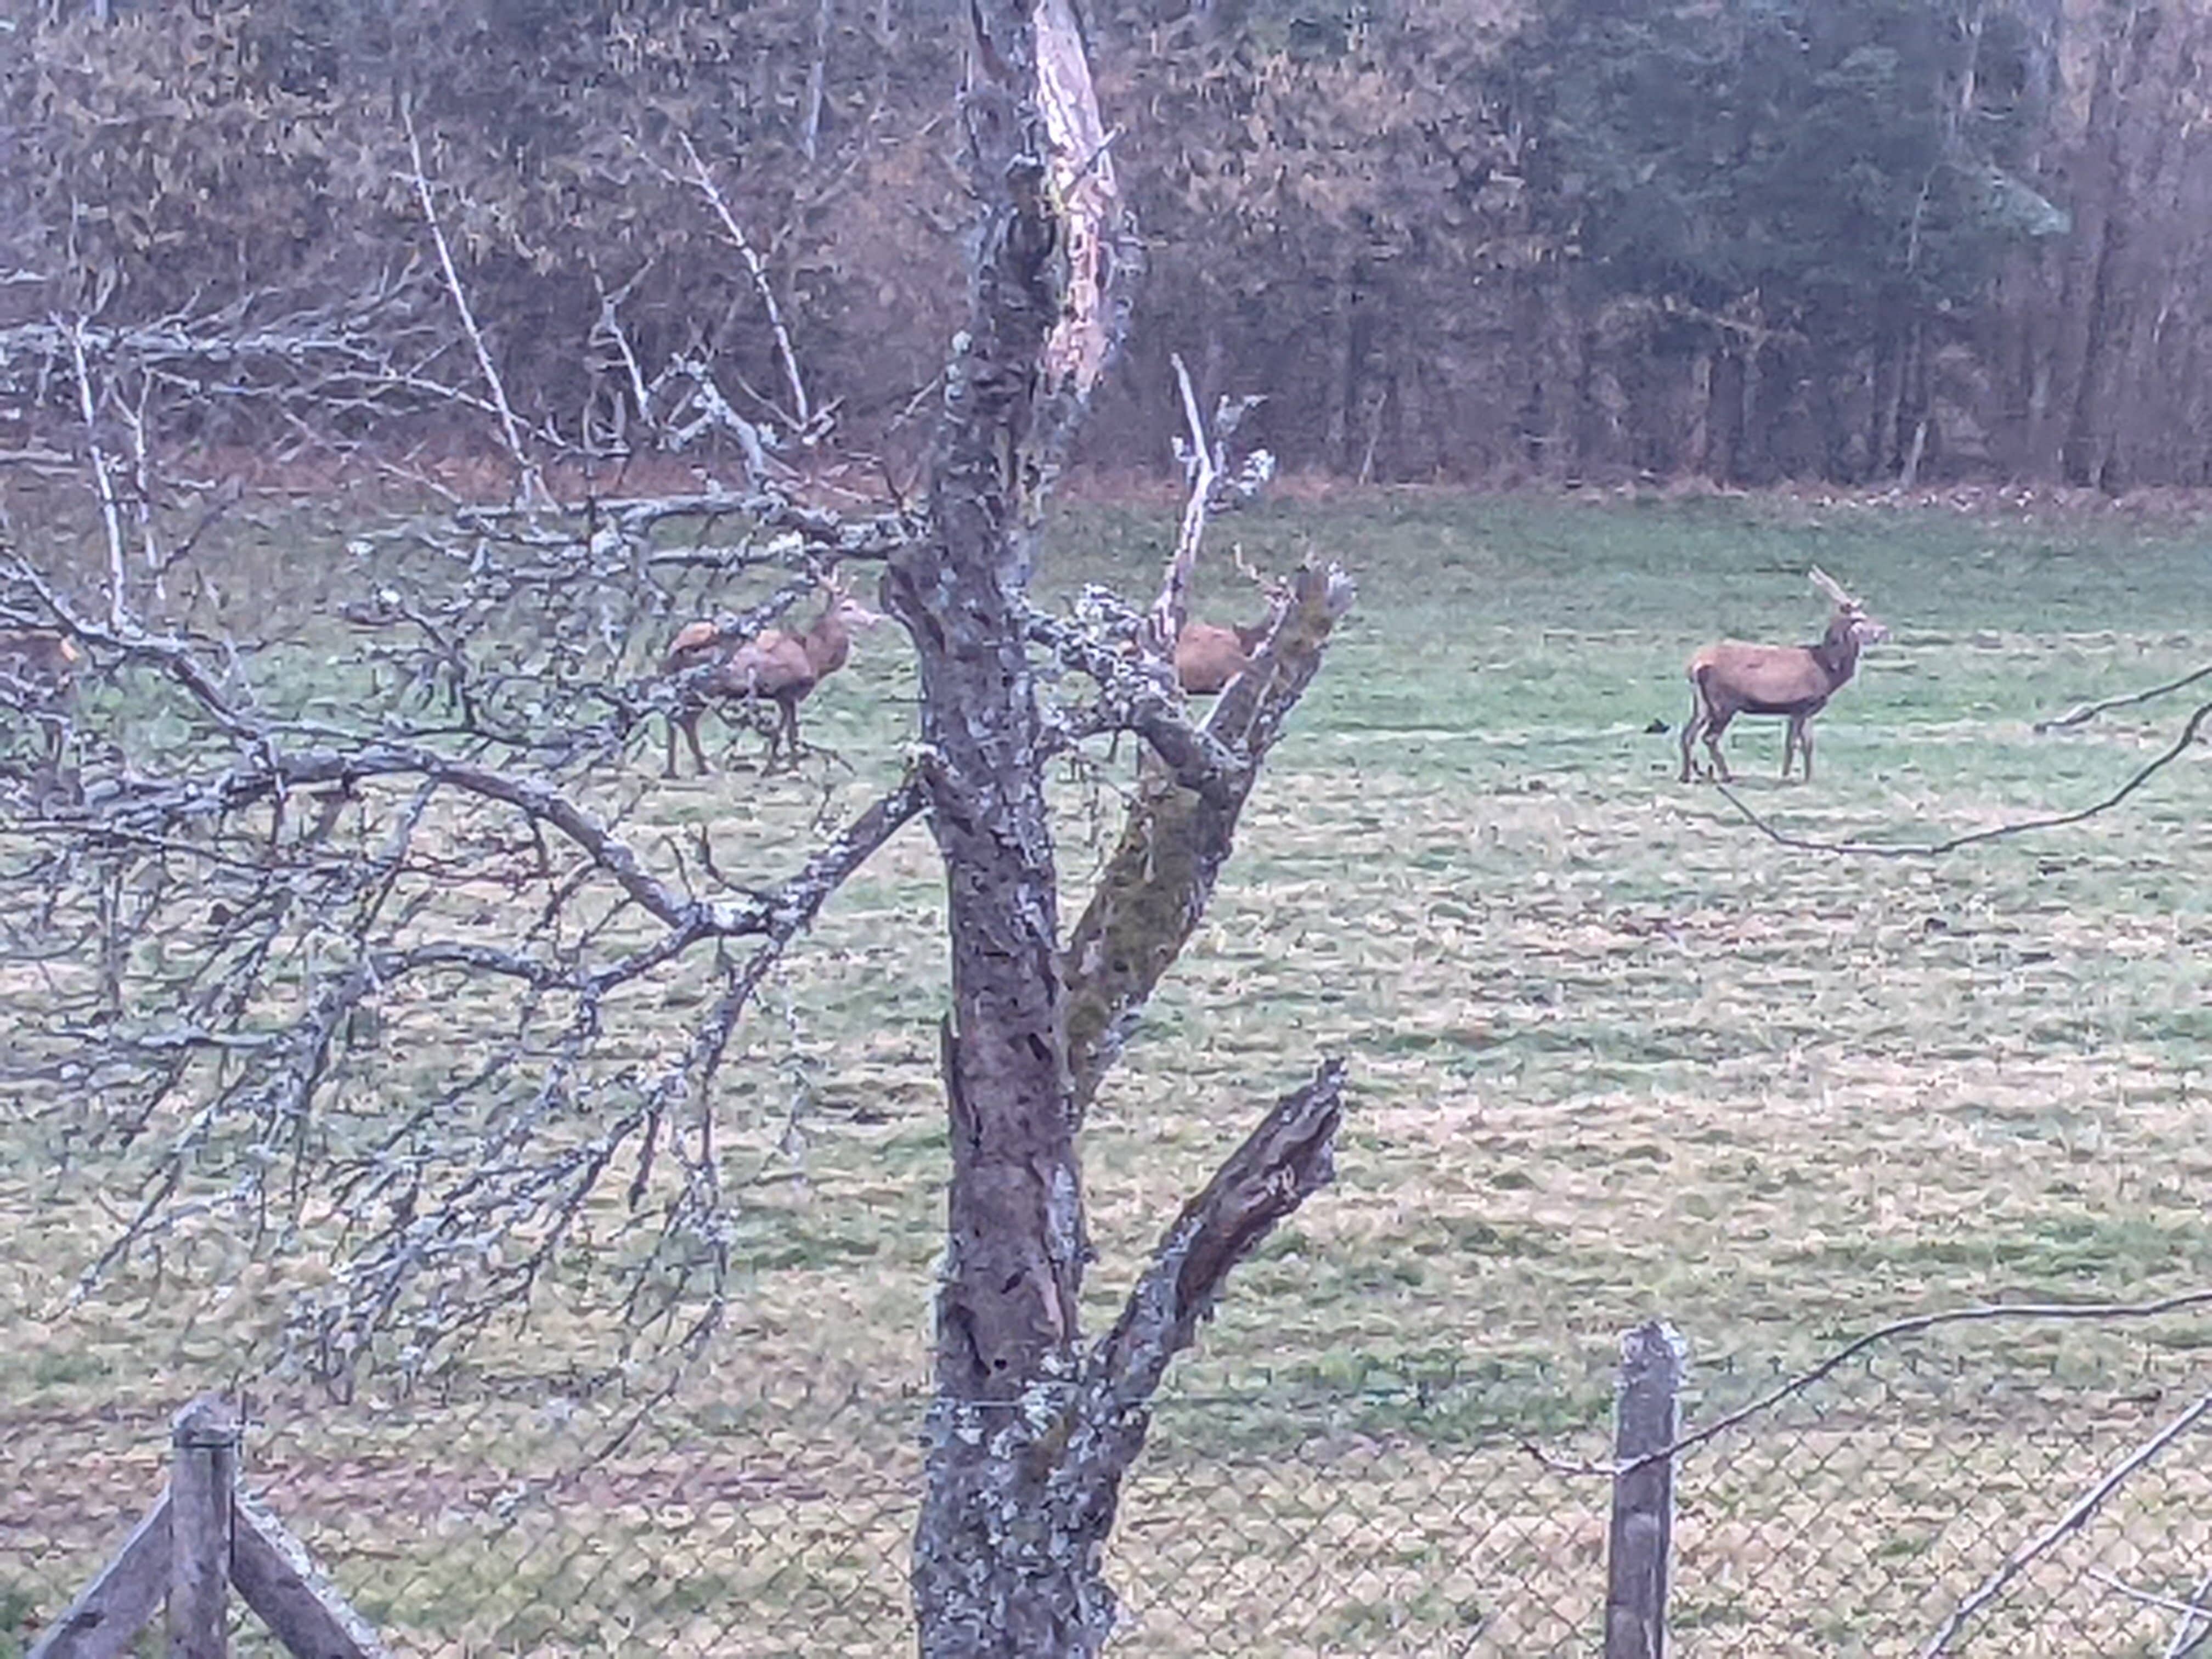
1615	1054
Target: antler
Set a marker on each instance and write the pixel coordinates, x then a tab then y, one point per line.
1834	589
841	599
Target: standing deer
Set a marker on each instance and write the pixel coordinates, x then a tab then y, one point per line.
1793	680
773	666
37	679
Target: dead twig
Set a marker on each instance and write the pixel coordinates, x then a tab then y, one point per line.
2195	1627
2077	1516
532	486
1972	838
802	415
2194	1613
2089	711
1843	1356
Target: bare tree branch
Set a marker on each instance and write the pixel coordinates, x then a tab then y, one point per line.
1172	608
2076	1516
271	827
1137	700
103	482
1282	1163
2196	1613
2195	1629
530	485
1993	1312
801	415
247	368
1156	883
2083	712
1934	849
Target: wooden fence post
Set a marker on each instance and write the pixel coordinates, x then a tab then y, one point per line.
201	1477
1646	1415
202	1538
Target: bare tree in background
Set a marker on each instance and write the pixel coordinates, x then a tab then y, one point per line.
262	863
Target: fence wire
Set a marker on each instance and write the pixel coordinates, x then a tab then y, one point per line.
1401	1517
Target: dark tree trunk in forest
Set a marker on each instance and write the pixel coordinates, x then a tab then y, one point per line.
2086	455
1343	371
1752	419
1030	1433
1591	427
1885	372
1725	397
1833	418
2024	342
2087	450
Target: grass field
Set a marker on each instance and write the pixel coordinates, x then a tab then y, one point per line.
1614	1055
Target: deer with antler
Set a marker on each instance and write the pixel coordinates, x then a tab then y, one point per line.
1793	681
773	666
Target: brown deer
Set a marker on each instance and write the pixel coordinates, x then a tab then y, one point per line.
1793	680
773	666
1208	656
37	679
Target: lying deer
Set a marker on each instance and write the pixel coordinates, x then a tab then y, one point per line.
773	666
37	679
1208	656
1793	680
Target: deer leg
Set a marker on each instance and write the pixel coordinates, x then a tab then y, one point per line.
1801	740
1715	725
55	731
789	732
773	729
691	724
1690	728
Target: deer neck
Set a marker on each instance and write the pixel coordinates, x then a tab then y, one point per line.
827	643
1839	651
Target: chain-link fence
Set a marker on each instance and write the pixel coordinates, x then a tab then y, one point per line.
1418	1515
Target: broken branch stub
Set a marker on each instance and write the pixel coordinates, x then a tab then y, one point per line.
1081	168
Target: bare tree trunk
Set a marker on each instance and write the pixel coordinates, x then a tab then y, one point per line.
987	1579
1752	422
2082	457
1724	414
2086	457
1910	423
1699	438
817	74
1343	373
1029	1434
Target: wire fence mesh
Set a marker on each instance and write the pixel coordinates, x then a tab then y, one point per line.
1429	1515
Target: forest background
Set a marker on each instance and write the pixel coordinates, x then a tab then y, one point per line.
1488	241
